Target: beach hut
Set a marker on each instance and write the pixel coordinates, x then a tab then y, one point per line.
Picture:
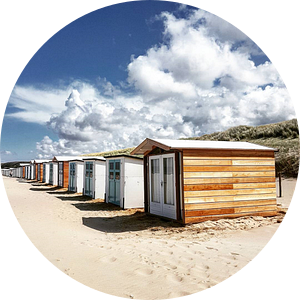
22	172
63	169
32	170
46	172
76	172
193	181
94	177
39	166
125	181
27	171
53	173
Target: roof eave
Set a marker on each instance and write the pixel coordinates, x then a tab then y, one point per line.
148	145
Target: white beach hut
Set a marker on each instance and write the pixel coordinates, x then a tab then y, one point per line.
27	171
46	172
53	173
125	181
94	177
76	172
32	170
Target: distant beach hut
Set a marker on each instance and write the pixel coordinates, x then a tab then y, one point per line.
46	172
39	166
125	181
63	169
53	173
32	170
193	181
76	172
94	177
27	171
22	171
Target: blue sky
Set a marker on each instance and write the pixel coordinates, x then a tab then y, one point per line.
137	70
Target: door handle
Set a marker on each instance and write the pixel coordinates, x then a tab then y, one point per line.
162	183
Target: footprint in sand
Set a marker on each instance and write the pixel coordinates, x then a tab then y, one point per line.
211	248
174	278
144	272
170	266
108	259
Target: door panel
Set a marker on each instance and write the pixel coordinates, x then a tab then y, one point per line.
114	181
72	175
162	185
51	174
89	179
60	173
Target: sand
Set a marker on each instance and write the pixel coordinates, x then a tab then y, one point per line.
100	245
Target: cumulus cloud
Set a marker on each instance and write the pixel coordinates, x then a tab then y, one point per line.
202	78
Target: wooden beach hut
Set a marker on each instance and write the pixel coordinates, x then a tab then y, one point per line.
125	181
76	172
39	167
94	177
63	169
193	181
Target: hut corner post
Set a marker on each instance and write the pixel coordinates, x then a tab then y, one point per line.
279	182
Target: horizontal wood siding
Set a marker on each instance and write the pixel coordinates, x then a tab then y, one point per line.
66	174
228	183
42	165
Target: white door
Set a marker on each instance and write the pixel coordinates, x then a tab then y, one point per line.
162	185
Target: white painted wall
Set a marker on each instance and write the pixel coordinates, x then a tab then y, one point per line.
47	170
133	183
55	173
99	178
79	169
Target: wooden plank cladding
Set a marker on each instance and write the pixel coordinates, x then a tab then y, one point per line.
228	180
229	154
229	174
227	168
228	183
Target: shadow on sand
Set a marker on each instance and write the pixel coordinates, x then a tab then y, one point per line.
97	206
45	189
76	197
135	222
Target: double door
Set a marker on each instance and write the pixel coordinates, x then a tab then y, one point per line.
114	181
72	175
44	173
51	174
162	185
39	172
60	174
89	175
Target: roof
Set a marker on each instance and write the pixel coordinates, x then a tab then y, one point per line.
93	158
65	158
165	144
123	155
40	161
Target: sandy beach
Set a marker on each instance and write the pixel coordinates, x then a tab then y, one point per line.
100	245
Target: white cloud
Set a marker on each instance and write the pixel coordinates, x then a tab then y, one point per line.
200	80
36	105
6	152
